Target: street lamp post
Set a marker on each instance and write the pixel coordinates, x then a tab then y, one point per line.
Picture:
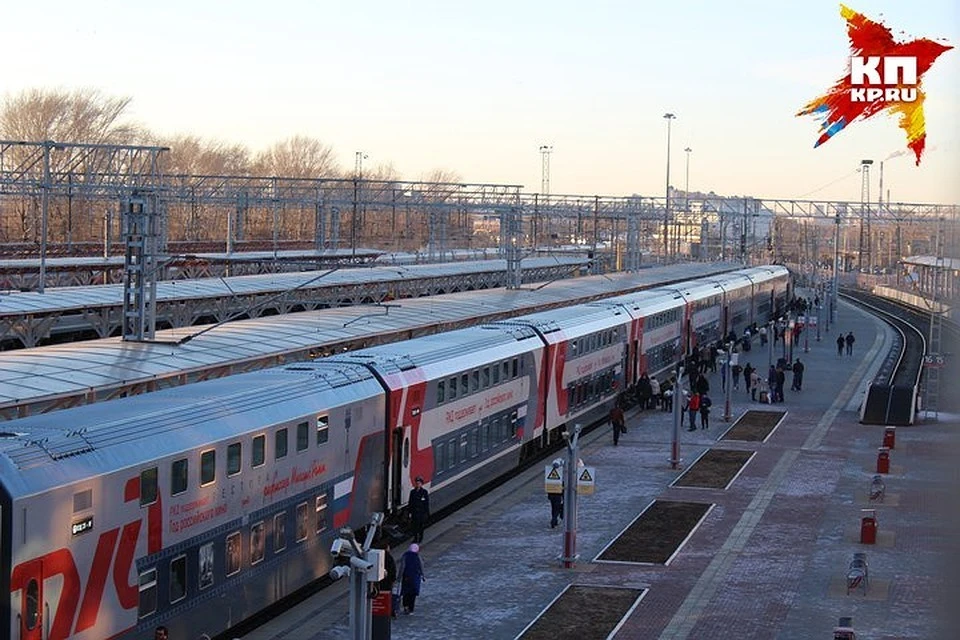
666	210
686	193
358	176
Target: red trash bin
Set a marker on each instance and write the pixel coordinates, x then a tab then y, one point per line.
889	437
868	526
883	460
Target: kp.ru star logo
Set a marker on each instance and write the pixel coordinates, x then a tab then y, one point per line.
883	75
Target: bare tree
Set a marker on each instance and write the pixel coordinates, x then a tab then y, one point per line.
191	155
298	157
81	115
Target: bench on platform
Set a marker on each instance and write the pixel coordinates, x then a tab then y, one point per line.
858	574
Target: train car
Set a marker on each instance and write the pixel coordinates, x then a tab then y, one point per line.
193	507
197	506
582	368
459	407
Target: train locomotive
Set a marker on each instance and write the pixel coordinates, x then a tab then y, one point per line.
196	507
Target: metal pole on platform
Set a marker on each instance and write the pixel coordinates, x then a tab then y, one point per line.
570	498
728	383
771	332
836	270
677	419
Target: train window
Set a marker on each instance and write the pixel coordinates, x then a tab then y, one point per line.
464	384
485	379
303	436
475	381
178	476
233	459
516	367
233	553
441	387
453	388
495	369
256	543
208	467
280	444
438	455
279	532
464	454
148	486
33	604
506	370
258	454
301	522
82	500
178	579
406	452
452	453
323	429
205	558
148	593
485	437
513	424
321	509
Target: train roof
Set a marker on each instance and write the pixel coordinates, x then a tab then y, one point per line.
44	451
64	299
457	348
45	375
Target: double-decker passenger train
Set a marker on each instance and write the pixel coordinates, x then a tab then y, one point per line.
198	506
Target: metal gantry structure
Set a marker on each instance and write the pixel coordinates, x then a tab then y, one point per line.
616	232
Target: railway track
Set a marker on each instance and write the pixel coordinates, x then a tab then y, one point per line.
893	395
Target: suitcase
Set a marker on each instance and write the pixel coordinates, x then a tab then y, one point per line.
764	397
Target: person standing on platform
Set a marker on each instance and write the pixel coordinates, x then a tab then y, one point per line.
693	408
840	343
737	370
781	380
654	393
390	568
754	384
763	335
411	576
747	377
667	390
797	375
850	340
705	404
617	421
644	390
556	499
419	509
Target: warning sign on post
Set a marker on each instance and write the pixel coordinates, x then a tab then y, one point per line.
585	480
553	478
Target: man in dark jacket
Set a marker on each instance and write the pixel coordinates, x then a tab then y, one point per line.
419	509
797	375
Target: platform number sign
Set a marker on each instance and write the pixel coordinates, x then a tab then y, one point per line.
933	361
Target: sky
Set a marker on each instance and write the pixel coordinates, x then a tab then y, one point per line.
478	87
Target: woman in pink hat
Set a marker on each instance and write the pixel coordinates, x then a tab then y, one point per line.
411	575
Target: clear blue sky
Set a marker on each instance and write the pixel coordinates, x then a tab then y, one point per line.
477	87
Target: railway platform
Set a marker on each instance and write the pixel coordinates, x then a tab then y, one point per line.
770	559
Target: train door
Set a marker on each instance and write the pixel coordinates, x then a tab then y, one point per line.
400	448
31	614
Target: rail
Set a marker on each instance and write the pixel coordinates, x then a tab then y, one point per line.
892	395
